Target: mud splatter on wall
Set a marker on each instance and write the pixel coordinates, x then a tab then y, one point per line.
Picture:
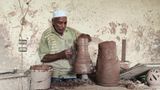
136	21
147	37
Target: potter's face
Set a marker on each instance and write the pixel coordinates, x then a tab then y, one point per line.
59	23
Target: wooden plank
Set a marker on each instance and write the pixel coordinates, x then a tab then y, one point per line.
137	70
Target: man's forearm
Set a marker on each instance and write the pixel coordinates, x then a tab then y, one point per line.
53	57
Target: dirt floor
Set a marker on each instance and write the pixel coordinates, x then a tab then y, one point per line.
97	87
80	84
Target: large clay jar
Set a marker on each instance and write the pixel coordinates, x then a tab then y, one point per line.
83	62
153	78
108	67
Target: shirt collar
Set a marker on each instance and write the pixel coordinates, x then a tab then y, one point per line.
54	31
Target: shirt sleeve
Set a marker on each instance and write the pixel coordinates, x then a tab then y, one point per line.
43	47
75	33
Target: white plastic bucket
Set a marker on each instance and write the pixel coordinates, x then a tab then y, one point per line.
40	76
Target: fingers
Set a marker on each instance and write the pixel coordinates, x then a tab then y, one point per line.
68	53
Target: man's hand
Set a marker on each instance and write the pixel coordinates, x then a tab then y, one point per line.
85	36
68	53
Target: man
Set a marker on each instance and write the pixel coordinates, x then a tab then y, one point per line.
56	47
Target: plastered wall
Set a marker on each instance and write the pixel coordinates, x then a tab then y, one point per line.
137	21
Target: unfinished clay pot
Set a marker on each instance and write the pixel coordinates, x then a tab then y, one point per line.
83	62
153	78
108	67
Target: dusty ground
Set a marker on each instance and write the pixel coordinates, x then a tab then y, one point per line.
89	85
97	87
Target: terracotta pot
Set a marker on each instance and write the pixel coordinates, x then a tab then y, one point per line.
83	62
108	67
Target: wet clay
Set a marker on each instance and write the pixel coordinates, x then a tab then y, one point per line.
83	62
107	68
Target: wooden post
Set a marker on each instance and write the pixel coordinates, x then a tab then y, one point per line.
123	58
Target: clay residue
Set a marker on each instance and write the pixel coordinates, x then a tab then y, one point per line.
113	27
124	28
41	67
12	13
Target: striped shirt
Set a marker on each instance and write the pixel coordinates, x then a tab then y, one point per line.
51	42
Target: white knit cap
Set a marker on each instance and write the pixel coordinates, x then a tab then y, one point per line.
59	13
